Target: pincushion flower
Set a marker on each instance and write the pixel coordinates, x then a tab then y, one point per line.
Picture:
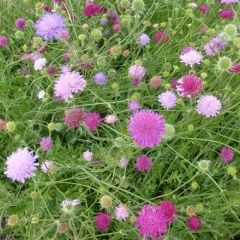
203	8
88	155
111	119
146	128
46	144
20	165
168	210
143	163
20	23
194	223
215	45
189	86
121	212
103	221
46	165
226	13
92	9
67	84
209	106
229	1
3	41
144	39
70	203
100	78
226	154
93	120
40	63
74	117
190	56
161	37
136	71
49	26
235	68
133	106
168	99
123	163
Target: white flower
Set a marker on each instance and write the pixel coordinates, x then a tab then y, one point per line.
110	119
41	94
40	63
87	155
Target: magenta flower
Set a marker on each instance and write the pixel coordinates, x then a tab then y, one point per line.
209	106
3	41
74	117
229	1
20	165
67	84
93	120
146	128
161	37
92	9
121	212
194	223
203	8
226	13
190	56
189	86
226	154
46	144
50	25
20	23
168	210
235	68
151	222
168	99
143	163
103	221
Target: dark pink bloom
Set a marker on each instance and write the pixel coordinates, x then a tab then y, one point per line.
235	68
203	8
194	223
51	70
42	49
74	117
116	27
46	144
92	9
226	13
143	163
103	221
161	37
226	154
169	211
3	41
20	23
93	120
47	8
58	1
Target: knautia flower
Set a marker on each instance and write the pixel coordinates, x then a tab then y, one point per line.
226	13
143	163
235	68
110	119
70	203
20	165
209	106
146	128
100	78
161	37
20	23
226	154
170	132
93	120
189	86
88	156
46	165
144	39
121	212
229	1
41	94
74	117
103	221
92	9
67	84
203	8
168	210
190	56
194	223
3	41
155	81
123	162
168	99
40	63
133	106
46	144
50	25
215	45
136	71
204	165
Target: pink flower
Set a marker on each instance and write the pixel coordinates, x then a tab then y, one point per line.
203	8
136	71
103	221
235	68
161	37
190	56
92	121
46	165
169	211
209	106
74	117
155	81
3	41
194	223
168	99
226	13
229	1
143	163
46	144
92	9
189	86
226	154
133	106
87	156
20	23
121	212
146	128
110	119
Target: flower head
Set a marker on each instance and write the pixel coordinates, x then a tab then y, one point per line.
136	71
40	63
92	9
235	68
74	117
146	128
20	165
226	13
121	212
123	163
168	210
194	223
67	84
70	203
190	56
20	23
50	25
203	8
3	41
226	154
168	99
133	106
229	1
110	119
155	81
46	165
143	163
46	144
215	45
209	106
103	221
93	120
189	86
87	155
144	39
100	78
161	37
